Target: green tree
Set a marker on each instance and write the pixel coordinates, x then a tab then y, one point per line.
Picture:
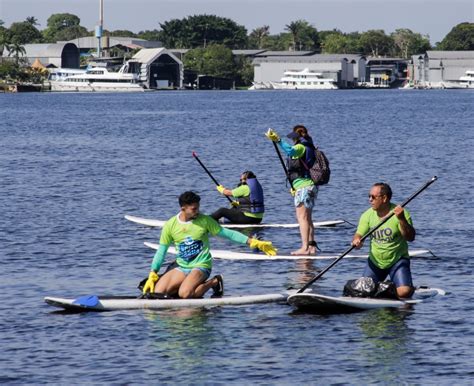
408	43
153	35
214	60
24	33
32	20
123	33
258	36
201	31
63	26
460	38
304	36
376	43
16	50
244	71
335	43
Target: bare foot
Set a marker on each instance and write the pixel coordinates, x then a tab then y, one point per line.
301	252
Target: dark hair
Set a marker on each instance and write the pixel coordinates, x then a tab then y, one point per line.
249	174
384	189
189	198
302	132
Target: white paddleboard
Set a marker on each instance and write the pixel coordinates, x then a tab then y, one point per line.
232	255
112	303
313	302
159	223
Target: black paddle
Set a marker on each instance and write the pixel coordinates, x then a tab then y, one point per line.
283	164
209	173
433	179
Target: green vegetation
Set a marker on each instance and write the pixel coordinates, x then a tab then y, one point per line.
211	39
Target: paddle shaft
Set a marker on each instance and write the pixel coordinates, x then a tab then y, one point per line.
433	179
208	173
283	164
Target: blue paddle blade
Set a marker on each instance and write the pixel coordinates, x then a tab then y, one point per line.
87	301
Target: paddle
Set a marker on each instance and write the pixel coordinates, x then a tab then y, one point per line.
209	173
283	164
433	179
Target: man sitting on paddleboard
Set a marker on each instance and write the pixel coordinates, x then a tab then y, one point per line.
189	231
249	208
388	254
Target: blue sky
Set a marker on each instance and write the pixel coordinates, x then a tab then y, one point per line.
428	17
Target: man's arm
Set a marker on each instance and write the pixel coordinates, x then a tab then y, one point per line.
406	229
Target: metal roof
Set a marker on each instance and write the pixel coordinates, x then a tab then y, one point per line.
91	42
44	50
450	54
149	55
285	53
309	59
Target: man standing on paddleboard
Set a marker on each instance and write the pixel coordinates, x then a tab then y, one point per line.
250	206
189	230
388	254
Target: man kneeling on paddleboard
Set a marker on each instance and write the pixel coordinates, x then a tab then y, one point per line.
189	230
388	254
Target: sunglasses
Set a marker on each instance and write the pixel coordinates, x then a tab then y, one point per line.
373	197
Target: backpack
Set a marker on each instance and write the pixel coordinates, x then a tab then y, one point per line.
320	171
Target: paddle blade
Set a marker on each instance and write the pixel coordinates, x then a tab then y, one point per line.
87	301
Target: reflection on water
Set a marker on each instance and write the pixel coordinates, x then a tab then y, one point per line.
387	336
183	336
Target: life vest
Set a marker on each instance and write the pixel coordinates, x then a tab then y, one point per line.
296	168
254	203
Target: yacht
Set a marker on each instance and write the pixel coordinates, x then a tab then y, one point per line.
467	81
304	80
97	79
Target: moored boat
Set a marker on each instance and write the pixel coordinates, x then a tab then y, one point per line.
97	79
304	80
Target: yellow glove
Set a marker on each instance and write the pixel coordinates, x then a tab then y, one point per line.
293	192
150	283
220	189
272	135
265	246
235	204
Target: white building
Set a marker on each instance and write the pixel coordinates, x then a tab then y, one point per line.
346	70
440	69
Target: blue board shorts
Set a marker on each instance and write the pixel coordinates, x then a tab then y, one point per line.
306	196
399	273
187	271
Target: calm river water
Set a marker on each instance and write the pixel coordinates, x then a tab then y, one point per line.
72	165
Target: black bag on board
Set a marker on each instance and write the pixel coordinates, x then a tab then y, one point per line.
365	287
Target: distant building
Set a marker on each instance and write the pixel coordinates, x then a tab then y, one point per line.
88	44
158	68
386	72
440	69
346	70
51	55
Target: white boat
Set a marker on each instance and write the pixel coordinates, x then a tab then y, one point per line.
304	80
98	79
467	81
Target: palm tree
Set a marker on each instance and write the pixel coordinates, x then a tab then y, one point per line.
259	34
32	20
16	50
296	29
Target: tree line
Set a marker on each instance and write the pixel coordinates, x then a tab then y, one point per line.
211	38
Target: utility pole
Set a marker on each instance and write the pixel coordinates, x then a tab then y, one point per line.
99	28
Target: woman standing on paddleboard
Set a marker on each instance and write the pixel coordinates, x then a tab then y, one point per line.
303	188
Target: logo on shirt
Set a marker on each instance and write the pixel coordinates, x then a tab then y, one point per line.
189	249
382	236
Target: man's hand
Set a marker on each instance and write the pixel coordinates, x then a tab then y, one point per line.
150	283
265	246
